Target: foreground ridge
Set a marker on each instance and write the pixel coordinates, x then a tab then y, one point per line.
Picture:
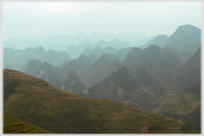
34	101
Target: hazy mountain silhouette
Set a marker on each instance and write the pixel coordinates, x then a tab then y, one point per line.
72	83
189	72
154	54
32	67
123	52
186	37
77	64
17	59
100	69
160	40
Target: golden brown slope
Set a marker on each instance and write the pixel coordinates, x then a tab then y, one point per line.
12	126
35	101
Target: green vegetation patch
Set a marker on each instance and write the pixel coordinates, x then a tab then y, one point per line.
12	125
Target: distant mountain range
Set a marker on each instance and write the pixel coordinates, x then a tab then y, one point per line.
99	48
61	41
17	59
163	76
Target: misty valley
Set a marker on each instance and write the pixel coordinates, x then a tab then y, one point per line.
103	83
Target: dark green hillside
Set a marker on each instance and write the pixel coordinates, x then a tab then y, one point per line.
38	103
13	126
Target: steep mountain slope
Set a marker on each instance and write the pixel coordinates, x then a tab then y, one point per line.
51	74
189	73
76	64
122	87
154	54
92	58
183	93
193	119
184	106
36	102
123	52
118	87
132	57
64	80
99	70
186	37
13	126
72	83
186	40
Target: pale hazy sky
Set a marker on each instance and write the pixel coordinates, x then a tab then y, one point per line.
150	18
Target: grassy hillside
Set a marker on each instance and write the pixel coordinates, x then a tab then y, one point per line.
35	101
12	126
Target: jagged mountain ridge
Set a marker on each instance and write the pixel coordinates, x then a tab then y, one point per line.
154	54
17	59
